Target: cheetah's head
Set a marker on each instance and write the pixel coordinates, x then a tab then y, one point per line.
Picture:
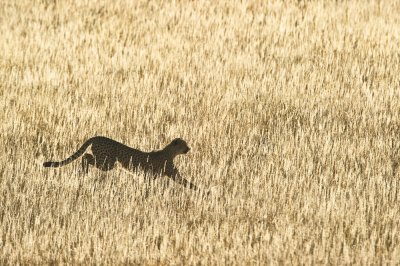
179	146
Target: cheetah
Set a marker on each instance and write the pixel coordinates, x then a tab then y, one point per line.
106	153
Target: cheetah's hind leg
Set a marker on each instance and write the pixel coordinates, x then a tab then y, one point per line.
87	160
106	164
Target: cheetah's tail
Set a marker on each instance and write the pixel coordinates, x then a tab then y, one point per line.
73	157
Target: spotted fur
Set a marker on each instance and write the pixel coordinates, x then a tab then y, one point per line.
106	153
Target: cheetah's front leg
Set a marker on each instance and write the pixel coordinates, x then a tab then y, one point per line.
180	180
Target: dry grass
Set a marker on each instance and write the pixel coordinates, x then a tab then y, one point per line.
291	110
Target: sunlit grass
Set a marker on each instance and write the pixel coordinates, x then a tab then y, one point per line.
291	111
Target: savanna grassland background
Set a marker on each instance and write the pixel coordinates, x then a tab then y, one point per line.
291	109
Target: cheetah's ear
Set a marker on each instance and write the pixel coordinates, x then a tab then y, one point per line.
175	142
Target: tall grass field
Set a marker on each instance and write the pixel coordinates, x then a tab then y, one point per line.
291	110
